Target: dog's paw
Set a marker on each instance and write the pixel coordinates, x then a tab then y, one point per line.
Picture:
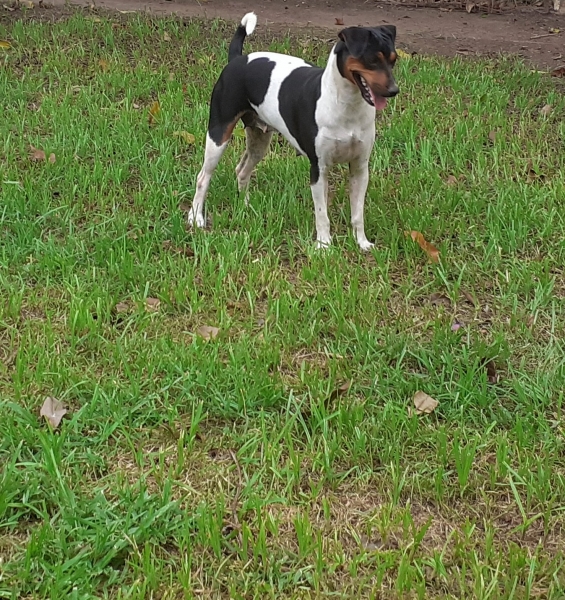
323	244
366	245
197	220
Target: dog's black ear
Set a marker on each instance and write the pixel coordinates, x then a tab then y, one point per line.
391	29
356	39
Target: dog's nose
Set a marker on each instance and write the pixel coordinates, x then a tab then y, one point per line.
393	90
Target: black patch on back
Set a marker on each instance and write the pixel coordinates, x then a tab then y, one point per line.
240	83
298	96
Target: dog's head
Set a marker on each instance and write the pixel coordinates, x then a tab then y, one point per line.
366	56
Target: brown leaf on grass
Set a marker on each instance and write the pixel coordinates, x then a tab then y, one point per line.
53	411
492	375
152	304
451	180
4	44
339	21
424	404
154	111
104	64
187	137
546	110
429	249
208	332
36	153
533	172
341	390
439	299
166	37
559	72
52	158
492	136
121	307
469	298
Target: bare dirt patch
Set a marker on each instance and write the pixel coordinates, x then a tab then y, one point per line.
526	32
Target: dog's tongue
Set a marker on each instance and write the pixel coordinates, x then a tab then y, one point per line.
379	102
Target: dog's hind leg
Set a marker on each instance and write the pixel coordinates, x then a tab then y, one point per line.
257	144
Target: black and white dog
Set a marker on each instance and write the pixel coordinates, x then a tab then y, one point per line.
327	114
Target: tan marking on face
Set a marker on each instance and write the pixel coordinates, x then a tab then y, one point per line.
375	79
392	57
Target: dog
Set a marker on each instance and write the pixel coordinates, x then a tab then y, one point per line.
326	114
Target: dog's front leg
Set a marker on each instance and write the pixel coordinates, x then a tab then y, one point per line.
358	182
319	187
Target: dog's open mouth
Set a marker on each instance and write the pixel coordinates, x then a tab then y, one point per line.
379	102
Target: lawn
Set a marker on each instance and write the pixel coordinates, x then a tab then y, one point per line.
282	457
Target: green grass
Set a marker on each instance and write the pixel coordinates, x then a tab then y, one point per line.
233	467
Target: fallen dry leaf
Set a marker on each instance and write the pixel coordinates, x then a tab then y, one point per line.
429	249
122	307
439	299
492	136
492	375
4	44
559	72
166	37
424	404
152	304
341	390
103	64
53	411
546	110
36	153
469	298
339	21
208	332
154	111
401	54
187	137
52	158
451	180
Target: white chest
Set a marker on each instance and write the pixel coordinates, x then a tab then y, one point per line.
336	144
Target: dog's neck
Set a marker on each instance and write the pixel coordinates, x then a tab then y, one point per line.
345	92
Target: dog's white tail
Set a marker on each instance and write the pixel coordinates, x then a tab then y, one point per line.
249	21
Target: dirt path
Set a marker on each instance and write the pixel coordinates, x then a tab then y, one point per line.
422	30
